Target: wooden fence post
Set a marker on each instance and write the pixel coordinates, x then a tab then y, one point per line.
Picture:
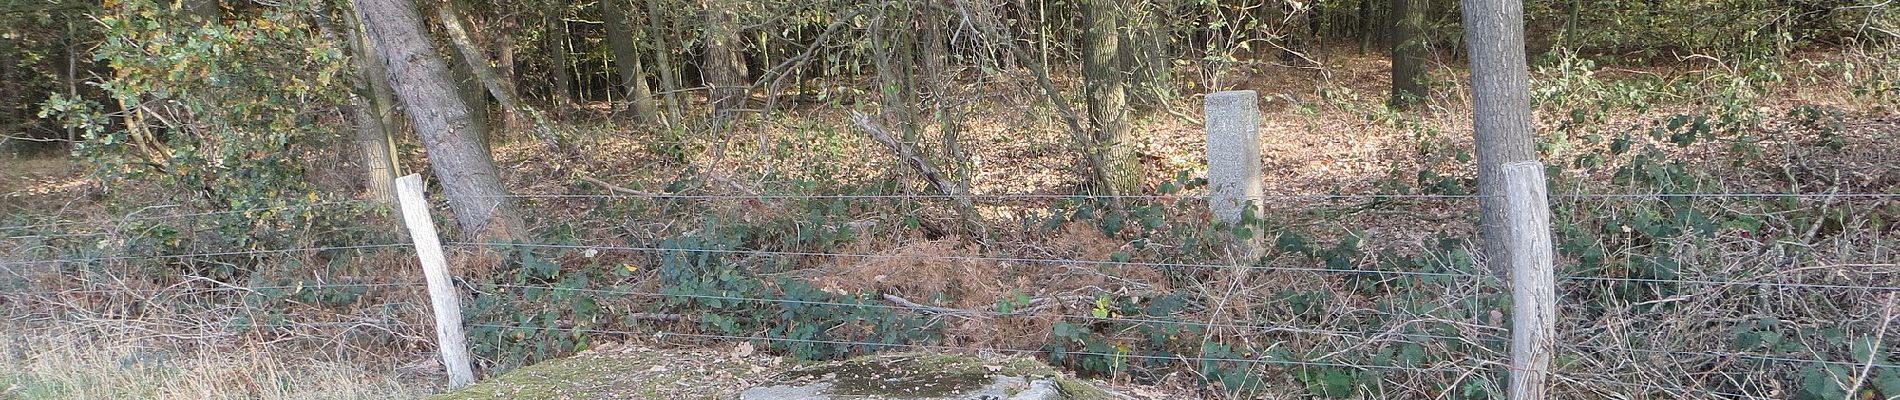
435	269
1533	281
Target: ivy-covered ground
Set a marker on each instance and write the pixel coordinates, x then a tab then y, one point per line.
1368	294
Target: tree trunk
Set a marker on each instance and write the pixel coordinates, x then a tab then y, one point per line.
555	22
1368	29
1408	54
496	85
1108	101
372	106
469	88
662	41
890	48
627	63
1500	108
442	119
724	69
1299	38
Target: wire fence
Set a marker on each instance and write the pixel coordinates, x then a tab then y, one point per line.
1483	353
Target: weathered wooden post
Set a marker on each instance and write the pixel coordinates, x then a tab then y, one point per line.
435	270
1233	162
1533	283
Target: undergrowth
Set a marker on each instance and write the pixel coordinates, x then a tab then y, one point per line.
1665	292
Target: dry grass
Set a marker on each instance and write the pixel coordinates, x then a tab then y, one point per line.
45	362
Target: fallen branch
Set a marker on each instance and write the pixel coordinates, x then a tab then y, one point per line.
934	177
906	303
619	189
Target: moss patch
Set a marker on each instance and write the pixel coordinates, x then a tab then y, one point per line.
930	375
640	373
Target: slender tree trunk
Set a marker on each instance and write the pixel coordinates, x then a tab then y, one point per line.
662	43
1409	83
1368	29
372	106
72	75
497	87
627	63
554	21
890	50
1299	38
504	47
442	119
724	69
1500	108
1108	100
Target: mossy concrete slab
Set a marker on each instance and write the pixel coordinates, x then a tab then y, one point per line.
925	376
635	372
628	373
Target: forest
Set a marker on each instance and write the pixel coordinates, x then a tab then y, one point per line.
205	199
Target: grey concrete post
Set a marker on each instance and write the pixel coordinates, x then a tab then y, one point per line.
1233	160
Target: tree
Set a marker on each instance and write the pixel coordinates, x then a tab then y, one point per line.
1297	48
1500	109
1408	53
442	119
627	61
372	107
554	22
1107	93
724	68
499	87
663	57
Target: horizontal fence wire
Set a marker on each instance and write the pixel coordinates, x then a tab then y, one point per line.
210	254
1295	197
1027	196
1164	265
946	312
975	258
220	287
663	334
1736	283
1685	393
129	218
1752	356
57	236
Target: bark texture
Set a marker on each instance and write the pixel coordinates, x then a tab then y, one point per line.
627	63
555	22
1107	93
1408	53
373	109
1501	111
497	86
724	68
442	119
663	58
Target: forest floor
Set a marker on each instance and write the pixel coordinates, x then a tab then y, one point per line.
1322	133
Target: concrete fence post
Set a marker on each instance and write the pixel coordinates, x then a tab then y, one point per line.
1233	162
